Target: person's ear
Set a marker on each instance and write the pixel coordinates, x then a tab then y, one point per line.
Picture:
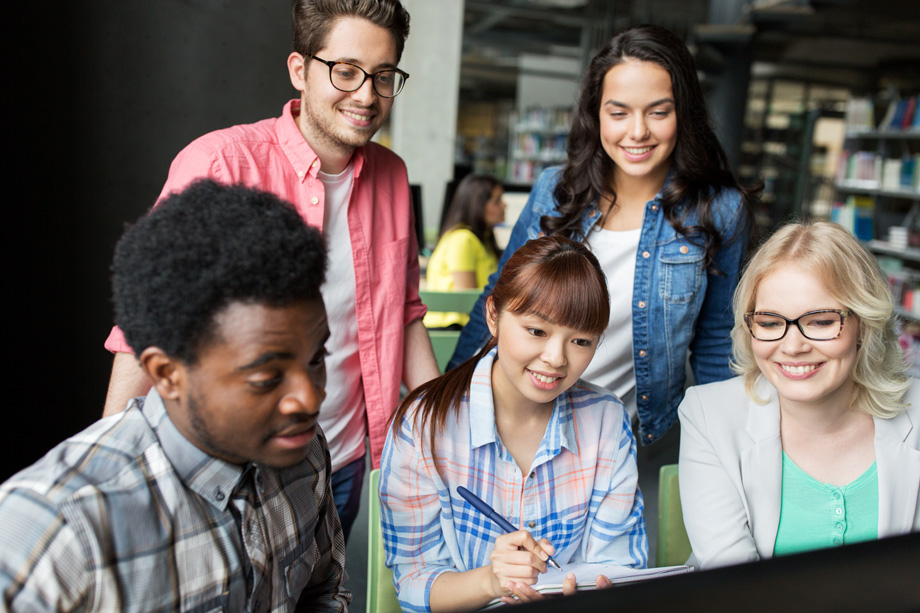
491	316
297	70
167	373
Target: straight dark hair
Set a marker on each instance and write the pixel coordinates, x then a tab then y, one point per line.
467	209
552	277
699	166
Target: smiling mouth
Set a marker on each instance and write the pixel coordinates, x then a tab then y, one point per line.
799	370
543	378
357	117
637	150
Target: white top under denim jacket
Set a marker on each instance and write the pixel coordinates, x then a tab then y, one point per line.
682	305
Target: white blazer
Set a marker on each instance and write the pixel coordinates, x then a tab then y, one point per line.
731	471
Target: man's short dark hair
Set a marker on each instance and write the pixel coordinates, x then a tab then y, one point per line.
314	19
202	249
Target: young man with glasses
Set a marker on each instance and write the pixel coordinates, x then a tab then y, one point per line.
318	155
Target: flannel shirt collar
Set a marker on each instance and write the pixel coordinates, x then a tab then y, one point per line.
211	478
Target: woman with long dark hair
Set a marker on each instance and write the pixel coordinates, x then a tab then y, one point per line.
648	188
466	253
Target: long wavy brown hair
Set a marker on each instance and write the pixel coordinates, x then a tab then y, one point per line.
699	166
554	278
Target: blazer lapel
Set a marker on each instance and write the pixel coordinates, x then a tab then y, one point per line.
762	469
898	465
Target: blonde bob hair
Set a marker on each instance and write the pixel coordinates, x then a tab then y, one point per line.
851	276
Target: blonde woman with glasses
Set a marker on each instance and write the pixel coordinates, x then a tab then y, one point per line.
817	442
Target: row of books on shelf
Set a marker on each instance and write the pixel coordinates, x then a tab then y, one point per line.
856	214
901	114
543	118
543	146
909	338
905	289
870	170
526	171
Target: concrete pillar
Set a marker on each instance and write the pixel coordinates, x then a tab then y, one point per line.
423	122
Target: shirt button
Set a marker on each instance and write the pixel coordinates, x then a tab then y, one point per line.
645	254
642	353
219	495
836	540
531	524
839	527
641	304
837	495
654	207
314	200
648	436
684	249
644	396
533	475
838	510
593	213
313	165
300	173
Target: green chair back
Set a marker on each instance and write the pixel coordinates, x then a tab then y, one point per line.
673	544
445	341
381	595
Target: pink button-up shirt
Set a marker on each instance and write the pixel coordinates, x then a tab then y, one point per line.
272	155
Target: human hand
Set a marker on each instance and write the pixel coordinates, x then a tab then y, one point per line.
524	593
569	584
517	559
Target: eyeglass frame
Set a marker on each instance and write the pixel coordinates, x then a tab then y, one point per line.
331	64
844	313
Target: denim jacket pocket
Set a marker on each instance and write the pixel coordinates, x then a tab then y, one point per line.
681	272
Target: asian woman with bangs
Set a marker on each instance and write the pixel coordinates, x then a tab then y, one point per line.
516	426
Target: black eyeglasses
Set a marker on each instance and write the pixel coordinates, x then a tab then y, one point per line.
821	325
347	77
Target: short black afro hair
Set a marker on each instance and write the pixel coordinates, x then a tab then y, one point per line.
202	249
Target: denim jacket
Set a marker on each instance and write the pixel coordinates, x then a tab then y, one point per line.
677	304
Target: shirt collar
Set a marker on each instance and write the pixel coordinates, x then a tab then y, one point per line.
560	431
298	151
211	478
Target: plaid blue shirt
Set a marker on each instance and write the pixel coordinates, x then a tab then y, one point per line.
128	515
581	492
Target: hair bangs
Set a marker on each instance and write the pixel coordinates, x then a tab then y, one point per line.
565	290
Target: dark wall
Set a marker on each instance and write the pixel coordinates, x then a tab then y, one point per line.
100	96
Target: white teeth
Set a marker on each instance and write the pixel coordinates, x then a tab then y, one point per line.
354	116
798	370
542	378
637	150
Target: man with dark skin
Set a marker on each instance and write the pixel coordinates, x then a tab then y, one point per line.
212	491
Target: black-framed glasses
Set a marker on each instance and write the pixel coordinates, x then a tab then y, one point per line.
347	77
820	325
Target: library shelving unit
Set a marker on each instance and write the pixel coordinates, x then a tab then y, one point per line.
878	188
538	139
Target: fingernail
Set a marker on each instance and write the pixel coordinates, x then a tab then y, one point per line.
544	556
570	575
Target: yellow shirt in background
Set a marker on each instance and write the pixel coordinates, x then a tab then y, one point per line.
458	251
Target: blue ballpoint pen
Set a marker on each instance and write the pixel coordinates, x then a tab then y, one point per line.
489	512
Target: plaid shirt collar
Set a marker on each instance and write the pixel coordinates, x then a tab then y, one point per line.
560	432
211	478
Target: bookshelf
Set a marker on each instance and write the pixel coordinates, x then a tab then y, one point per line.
538	139
878	189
